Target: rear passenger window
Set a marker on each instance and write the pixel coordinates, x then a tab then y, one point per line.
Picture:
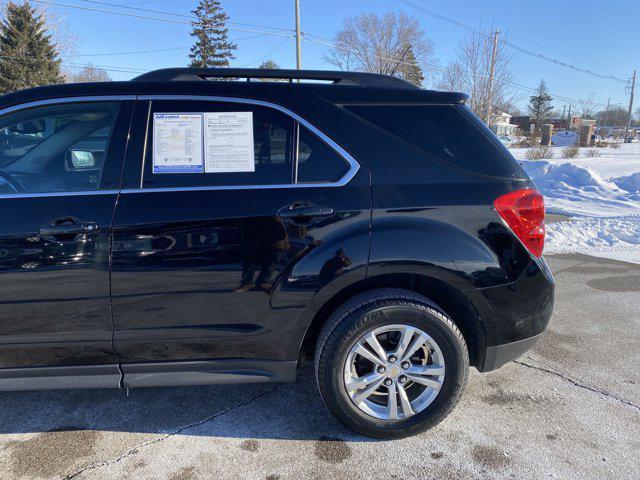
447	132
317	161
271	131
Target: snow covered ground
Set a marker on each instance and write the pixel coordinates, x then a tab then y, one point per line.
600	194
611	163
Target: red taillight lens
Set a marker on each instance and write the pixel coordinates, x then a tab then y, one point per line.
523	210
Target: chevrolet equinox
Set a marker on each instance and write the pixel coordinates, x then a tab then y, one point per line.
196	227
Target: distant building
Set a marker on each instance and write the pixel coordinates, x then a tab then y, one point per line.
524	122
616	131
559	123
502	124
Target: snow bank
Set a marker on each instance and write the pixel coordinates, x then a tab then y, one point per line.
612	162
630	183
596	236
602	194
575	190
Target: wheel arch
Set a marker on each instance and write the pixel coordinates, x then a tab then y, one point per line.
450	299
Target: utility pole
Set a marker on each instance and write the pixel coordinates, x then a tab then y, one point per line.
298	52
606	112
492	71
628	126
606	119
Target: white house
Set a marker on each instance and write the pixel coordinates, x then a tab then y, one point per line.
501	125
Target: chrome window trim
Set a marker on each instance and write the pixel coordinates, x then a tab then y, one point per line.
205	188
60	100
296	150
59	194
146	141
354	166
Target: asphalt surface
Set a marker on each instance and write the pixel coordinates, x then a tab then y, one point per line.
570	408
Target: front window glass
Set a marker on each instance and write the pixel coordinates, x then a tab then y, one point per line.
59	148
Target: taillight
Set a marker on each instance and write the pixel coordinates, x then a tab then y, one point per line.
523	210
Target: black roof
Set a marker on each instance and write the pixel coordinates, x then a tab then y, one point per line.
344	87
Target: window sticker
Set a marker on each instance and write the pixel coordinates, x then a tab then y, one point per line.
177	143
228	142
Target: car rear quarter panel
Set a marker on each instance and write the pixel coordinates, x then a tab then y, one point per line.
451	233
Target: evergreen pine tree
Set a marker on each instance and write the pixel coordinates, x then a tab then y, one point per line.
28	57
540	107
409	69
212	47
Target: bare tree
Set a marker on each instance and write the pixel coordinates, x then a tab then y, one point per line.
89	73
615	115
586	108
452	78
381	44
469	73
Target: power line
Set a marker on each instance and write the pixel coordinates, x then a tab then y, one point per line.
323	40
432	68
106	68
174	14
352	50
442	17
133	52
265	56
512	45
155	50
563	64
159	19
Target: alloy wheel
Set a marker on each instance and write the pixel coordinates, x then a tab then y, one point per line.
394	372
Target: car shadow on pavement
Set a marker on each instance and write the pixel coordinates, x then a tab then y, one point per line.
269	411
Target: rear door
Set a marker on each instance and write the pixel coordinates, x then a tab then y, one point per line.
217	260
60	169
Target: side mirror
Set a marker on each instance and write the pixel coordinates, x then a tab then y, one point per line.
81	159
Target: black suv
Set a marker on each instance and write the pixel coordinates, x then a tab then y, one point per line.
198	226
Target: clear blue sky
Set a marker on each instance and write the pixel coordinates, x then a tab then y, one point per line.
601	36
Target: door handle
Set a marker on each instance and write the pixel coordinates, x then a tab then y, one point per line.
304	211
69	229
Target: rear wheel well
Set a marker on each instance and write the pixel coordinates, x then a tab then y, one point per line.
448	298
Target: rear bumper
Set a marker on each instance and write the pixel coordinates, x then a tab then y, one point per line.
514	315
497	356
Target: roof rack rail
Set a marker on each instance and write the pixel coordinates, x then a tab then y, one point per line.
337	78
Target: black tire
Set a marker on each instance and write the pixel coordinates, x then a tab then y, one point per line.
358	316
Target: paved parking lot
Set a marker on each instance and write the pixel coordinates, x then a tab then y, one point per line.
568	409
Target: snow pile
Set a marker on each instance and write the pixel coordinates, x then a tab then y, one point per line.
574	190
630	183
594	235
601	194
611	162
